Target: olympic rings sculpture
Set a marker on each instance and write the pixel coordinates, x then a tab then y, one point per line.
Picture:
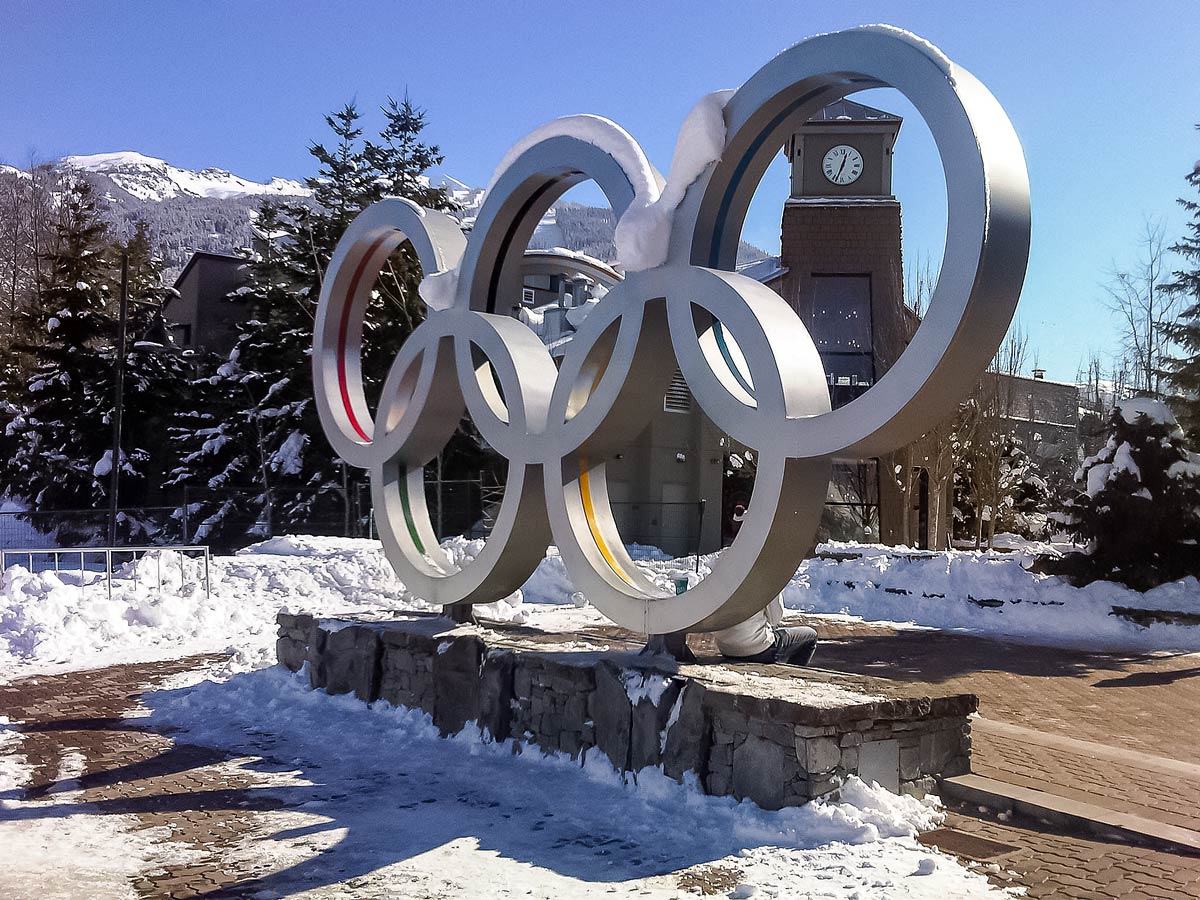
747	358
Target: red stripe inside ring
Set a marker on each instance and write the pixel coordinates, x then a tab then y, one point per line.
343	330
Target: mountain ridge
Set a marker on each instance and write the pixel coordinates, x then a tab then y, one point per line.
150	178
212	210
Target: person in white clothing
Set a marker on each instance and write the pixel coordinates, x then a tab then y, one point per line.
762	639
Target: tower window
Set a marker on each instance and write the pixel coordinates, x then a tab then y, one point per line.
842	329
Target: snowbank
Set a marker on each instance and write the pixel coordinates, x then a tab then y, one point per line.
54	620
982	592
991	593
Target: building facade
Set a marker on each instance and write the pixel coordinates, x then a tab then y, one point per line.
841	252
204	316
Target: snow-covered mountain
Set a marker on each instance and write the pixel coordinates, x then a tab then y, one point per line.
147	178
213	209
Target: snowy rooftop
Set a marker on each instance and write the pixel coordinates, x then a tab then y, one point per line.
846	110
763	270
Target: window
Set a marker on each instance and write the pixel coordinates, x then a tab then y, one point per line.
678	398
843	331
528	297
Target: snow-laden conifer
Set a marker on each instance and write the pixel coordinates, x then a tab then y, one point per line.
253	456
58	424
1138	504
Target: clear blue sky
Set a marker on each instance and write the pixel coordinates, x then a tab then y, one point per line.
1104	97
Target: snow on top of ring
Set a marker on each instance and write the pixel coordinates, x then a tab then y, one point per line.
599	132
437	289
935	55
644	232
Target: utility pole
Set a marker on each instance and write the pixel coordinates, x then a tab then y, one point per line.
114	472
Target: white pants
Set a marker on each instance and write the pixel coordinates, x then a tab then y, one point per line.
754	635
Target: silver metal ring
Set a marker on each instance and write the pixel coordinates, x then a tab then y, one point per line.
744	353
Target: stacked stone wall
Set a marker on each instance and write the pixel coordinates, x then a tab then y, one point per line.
772	751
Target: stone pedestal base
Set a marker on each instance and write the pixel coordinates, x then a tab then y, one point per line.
777	735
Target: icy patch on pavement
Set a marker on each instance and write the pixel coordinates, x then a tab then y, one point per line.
14	769
72	765
92	854
378	804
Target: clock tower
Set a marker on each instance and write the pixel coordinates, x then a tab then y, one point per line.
840	243
844	132
842	270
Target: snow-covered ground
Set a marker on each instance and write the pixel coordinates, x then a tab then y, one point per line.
458	817
990	593
53	620
379	805
91	855
376	804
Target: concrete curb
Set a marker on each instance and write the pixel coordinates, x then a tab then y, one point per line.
1061	811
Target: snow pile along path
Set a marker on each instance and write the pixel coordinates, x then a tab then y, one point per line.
378	803
54	620
66	619
990	593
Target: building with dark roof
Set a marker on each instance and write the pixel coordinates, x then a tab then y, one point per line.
203	316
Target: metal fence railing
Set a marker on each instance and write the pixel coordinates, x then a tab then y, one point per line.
98	565
660	530
50	529
228	520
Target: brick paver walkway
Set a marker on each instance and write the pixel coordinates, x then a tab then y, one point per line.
208	803
1148	704
1145	703
1049	862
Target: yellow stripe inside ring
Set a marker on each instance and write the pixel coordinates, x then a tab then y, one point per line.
589	512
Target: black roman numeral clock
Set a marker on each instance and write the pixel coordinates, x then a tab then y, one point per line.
842	164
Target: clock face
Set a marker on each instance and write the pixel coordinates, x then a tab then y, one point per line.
842	164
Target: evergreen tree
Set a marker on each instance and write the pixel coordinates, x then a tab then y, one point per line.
59	428
157	380
59	432
1183	371
1028	496
1139	503
256	455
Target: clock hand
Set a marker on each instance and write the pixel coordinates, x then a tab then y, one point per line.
842	166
